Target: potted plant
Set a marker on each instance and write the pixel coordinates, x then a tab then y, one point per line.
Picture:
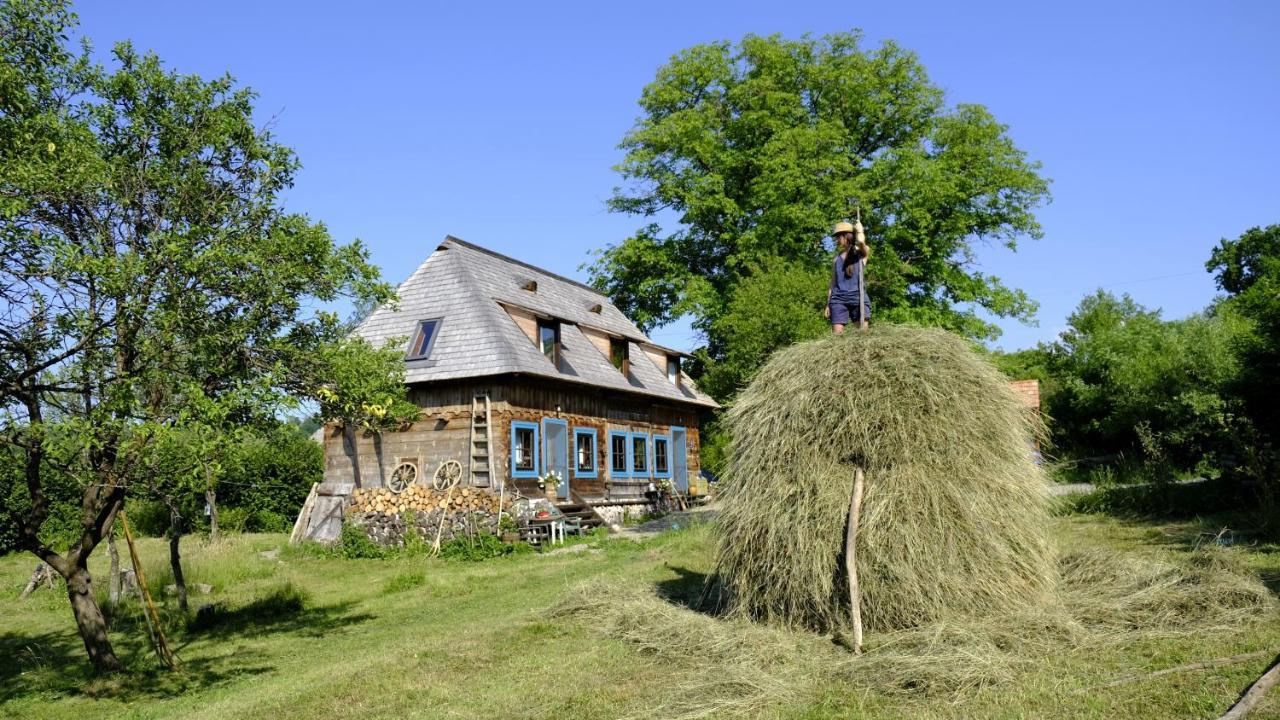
509	529
550	484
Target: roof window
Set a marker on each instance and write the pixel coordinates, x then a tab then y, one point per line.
424	339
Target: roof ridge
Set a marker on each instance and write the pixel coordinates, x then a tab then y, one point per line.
448	239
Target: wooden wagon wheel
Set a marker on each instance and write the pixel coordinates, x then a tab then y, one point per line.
402	477
448	474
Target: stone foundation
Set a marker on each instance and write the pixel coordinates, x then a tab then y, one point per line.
390	530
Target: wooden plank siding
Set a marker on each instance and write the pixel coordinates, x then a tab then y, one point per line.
443	432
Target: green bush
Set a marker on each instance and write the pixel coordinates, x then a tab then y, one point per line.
267	521
233	519
354	544
481	547
1165	500
148	518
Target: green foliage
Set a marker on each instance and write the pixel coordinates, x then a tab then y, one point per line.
757	148
158	294
1130	384
233	519
777	305
354	544
1163	500
148	518
362	387
1248	270
271	472
482	546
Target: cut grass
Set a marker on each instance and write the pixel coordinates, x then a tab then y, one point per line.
482	640
953	520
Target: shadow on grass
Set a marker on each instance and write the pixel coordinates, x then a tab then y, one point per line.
693	590
38	666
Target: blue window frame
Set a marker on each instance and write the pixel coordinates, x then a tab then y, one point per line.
662	456
639	455
619	454
584	453
524	449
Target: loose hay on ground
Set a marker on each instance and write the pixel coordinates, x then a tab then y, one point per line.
734	666
954	513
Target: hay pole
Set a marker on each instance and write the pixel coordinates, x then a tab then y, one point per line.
1190	667
448	496
153	617
851	558
1254	694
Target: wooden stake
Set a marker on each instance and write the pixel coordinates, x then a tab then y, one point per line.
153	617
435	546
1254	694
851	559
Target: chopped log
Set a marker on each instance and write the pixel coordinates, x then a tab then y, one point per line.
42	575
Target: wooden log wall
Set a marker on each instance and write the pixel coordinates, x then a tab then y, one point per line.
443	433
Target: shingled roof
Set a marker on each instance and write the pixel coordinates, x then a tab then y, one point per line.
466	287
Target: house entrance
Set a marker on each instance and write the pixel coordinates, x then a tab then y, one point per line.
679	460
555	452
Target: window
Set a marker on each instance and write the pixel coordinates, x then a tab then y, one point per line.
618	454
423	339
549	340
620	355
524	449
673	369
639	454
661	456
584	452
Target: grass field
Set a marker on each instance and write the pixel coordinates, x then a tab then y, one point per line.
315	637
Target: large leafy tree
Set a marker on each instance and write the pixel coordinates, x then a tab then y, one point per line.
749	153
1247	269
148	266
746	154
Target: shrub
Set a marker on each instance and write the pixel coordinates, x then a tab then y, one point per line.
148	517
233	519
481	547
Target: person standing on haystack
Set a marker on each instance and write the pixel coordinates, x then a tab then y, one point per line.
847	299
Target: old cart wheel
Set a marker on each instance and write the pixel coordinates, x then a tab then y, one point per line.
448	474
402	477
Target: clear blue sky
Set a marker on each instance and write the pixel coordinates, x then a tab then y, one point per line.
498	123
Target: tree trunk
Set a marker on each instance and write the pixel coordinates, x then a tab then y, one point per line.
175	560
113	581
89	620
211	497
353	450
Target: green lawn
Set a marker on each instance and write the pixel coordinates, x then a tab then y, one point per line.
434	639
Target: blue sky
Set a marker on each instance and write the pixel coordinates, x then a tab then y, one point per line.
498	123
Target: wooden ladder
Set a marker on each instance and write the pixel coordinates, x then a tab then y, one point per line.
481	441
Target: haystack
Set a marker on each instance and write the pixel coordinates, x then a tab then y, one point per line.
954	515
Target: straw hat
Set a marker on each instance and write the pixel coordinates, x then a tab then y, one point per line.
842	227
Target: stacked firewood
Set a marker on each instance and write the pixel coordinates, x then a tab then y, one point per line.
418	498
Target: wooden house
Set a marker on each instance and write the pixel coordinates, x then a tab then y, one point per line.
521	372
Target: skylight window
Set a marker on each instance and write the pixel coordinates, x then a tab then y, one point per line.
424	339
